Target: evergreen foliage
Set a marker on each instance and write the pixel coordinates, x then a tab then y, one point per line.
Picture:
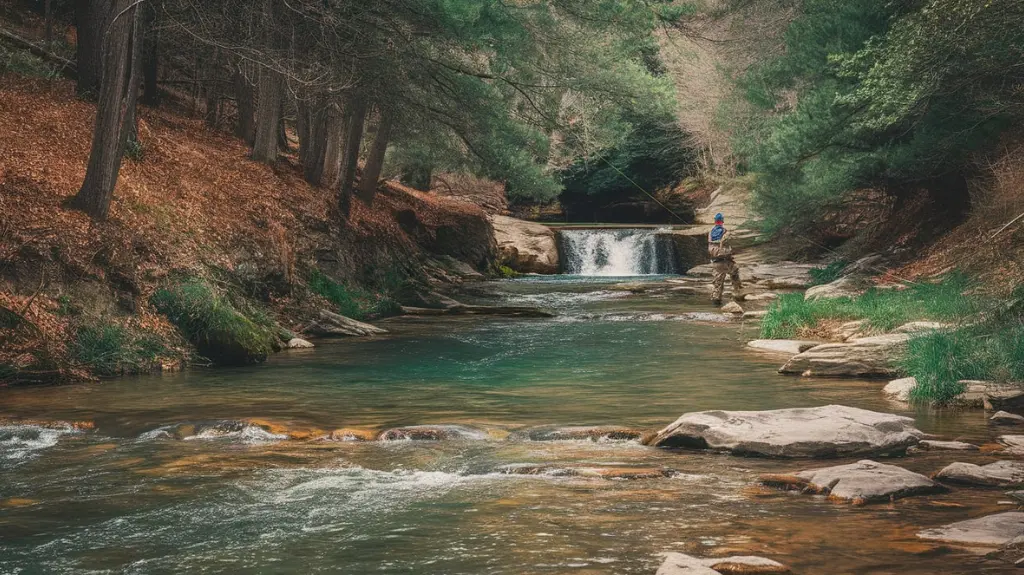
873	93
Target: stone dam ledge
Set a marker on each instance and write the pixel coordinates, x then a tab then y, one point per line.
815	432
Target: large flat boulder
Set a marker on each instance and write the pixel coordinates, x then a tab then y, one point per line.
682	564
862	482
998	474
524	246
990	531
862	357
829	431
782	346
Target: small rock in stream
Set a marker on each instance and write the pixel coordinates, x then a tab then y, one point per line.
998	474
828	431
1006	418
991	530
733	308
858	483
682	564
934	445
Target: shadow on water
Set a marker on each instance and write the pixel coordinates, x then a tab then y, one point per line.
192	472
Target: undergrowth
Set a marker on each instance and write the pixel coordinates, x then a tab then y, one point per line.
991	350
24	63
883	309
827	274
209	320
350	302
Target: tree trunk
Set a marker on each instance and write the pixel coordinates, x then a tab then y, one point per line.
333	148
316	145
118	94
354	122
246	129
150	55
268	117
91	19
211	113
282	127
375	163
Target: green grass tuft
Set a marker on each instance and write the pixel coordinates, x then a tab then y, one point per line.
110	349
884	309
353	303
209	320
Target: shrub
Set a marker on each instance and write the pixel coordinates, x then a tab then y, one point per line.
218	330
109	349
939	361
827	274
354	303
24	63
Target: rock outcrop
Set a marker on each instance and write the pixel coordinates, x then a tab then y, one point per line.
842	287
990	531
829	431
862	482
862	357
682	564
524	246
998	474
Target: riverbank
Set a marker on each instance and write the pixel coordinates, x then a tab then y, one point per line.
82	299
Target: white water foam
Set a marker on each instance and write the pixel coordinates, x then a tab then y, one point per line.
24	441
609	253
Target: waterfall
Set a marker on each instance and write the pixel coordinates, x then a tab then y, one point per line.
617	252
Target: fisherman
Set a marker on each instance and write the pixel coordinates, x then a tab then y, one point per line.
722	263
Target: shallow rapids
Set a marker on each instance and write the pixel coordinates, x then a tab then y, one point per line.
459	446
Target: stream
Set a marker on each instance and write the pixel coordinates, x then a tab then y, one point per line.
195	472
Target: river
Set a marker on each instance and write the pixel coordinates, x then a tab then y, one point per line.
193	472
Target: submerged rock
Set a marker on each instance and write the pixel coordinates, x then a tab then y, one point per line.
991	530
620	472
862	482
998	474
526	247
862	357
829	431
733	308
784	346
599	433
682	564
933	445
298	343
432	433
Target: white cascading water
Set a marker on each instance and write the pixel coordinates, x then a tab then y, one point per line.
615	252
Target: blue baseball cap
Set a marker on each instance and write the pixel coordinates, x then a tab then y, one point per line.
719	217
